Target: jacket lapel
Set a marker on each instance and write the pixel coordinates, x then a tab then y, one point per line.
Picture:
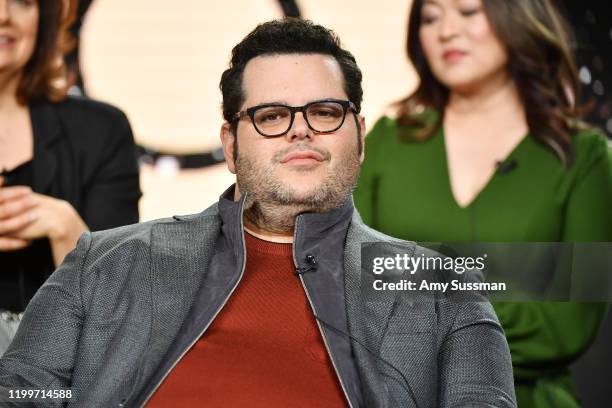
46	128
180	252
375	392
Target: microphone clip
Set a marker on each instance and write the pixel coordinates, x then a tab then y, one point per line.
311	266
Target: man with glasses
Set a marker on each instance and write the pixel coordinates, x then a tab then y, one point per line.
256	302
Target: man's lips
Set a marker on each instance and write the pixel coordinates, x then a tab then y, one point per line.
302	157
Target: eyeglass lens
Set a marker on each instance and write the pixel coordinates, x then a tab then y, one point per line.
321	116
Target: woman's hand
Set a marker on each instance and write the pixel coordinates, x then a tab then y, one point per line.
26	215
15	206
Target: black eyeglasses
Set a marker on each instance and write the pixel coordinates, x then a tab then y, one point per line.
273	119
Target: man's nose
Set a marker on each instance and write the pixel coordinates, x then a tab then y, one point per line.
299	129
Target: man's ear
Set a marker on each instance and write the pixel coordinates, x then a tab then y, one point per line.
362	127
228	141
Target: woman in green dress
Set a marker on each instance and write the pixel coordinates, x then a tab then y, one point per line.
489	147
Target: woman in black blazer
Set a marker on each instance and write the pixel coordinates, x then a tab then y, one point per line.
68	164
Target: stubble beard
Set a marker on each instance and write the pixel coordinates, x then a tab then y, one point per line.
272	205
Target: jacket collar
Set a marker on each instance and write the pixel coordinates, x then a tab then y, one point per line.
311	225
230	212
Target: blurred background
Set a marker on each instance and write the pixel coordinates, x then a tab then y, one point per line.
161	62
183	48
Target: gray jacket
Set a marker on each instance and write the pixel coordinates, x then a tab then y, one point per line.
128	303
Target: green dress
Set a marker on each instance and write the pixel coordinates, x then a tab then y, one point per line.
404	191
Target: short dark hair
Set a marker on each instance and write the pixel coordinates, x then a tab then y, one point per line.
286	36
44	76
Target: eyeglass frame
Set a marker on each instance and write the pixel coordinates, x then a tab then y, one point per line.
250	112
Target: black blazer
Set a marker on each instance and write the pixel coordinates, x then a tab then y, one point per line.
84	153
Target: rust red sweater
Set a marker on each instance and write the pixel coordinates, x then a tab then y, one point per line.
263	350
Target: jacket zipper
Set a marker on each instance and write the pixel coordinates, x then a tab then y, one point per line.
214	316
318	323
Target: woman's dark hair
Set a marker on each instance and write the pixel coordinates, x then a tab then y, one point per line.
541	63
286	36
44	76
